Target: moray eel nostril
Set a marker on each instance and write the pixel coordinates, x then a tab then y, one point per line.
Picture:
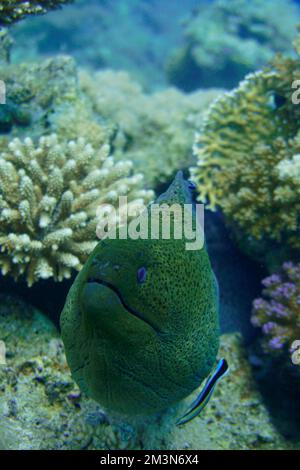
140	324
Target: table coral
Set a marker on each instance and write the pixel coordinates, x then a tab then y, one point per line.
48	200
225	40
278	311
14	10
248	162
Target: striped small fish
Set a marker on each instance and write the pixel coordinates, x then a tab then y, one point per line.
204	396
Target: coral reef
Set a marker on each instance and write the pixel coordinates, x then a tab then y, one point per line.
45	97
14	10
155	130
36	377
247	153
106	106
225	40
278	312
133	35
36	94
48	200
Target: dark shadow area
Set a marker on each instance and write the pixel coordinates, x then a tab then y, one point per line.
238	276
47	296
278	384
184	73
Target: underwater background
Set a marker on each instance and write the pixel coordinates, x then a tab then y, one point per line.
109	98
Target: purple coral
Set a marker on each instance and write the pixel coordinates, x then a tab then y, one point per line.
278	311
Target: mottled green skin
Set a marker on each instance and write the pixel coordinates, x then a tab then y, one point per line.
133	365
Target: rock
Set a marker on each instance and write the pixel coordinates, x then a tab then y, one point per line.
42	408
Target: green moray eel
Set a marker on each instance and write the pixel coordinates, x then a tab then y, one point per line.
140	324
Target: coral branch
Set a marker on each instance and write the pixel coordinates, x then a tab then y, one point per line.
49	196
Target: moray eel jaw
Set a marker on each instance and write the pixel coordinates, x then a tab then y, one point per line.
97	293
112	369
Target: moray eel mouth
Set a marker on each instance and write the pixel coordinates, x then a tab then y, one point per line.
127	307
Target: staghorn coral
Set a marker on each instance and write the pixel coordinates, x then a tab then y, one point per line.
153	130
48	200
14	10
225	40
278	312
247	153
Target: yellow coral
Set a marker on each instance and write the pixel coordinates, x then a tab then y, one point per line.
290	168
248	160
49	195
231	130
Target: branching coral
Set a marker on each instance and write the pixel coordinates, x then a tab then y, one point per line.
153	130
49	195
278	312
14	10
106	106
248	165
225	40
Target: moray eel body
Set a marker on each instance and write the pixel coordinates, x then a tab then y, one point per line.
140	323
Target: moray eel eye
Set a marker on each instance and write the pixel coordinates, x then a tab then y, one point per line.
192	185
141	275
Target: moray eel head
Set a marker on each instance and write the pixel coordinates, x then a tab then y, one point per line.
140	323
